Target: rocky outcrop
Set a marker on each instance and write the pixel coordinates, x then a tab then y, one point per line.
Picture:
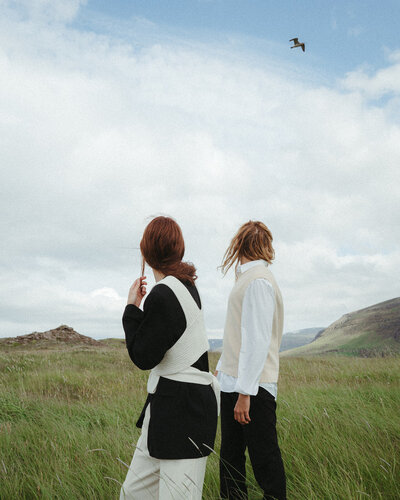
61	334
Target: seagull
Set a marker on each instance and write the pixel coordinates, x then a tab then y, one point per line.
297	44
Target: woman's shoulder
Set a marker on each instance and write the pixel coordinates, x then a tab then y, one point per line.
162	303
161	292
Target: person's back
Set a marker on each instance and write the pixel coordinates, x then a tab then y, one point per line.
168	337
248	369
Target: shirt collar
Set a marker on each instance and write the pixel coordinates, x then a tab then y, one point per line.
241	268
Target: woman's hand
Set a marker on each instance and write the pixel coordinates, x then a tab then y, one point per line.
242	408
137	291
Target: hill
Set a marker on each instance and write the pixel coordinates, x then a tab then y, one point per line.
372	331
61	336
112	342
290	340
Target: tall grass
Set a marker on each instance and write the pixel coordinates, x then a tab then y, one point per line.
67	425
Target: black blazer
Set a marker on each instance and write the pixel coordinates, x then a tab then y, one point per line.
183	416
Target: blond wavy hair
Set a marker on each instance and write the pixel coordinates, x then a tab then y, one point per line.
253	241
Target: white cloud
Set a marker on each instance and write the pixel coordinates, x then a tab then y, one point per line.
45	10
99	133
38	301
376	84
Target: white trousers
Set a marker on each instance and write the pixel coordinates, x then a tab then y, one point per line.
149	478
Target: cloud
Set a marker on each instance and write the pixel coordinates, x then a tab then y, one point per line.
45	10
330	277
98	133
38	303
379	83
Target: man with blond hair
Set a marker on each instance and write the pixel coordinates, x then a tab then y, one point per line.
249	367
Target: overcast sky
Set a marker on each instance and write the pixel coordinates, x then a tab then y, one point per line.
111	115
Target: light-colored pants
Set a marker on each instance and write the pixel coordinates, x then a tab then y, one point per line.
149	478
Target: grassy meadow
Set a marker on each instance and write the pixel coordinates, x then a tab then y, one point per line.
67	425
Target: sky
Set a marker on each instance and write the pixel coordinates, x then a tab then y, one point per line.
114	112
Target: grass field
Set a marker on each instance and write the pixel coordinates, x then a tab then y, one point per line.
67	425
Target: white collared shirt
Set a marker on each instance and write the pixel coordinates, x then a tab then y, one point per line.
256	327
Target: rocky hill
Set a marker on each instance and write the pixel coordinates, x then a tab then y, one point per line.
372	331
62	335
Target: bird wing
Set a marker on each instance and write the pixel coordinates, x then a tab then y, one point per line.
303	46
295	40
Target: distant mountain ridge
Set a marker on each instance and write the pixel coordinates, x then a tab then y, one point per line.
291	340
371	331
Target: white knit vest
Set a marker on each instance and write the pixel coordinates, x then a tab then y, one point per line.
233	333
177	361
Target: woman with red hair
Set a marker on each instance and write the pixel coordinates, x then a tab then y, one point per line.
168	337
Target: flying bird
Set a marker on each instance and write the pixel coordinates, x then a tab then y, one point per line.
296	43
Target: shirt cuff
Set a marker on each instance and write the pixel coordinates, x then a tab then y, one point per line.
246	390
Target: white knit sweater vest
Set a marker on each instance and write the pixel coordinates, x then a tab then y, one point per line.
233	334
177	361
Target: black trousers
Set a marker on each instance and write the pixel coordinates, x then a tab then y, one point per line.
259	436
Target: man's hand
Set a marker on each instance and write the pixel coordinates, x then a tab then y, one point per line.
137	291
242	408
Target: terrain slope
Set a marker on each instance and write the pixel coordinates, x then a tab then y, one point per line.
290	340
372	331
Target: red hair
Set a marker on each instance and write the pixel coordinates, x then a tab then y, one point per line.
163	247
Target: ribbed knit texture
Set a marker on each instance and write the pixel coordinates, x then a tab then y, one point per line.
233	334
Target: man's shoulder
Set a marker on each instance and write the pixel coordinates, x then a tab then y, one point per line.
258	272
260	284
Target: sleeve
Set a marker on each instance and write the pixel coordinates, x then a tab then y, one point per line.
151	332
256	326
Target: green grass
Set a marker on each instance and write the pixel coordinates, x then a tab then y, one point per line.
67	424
370	344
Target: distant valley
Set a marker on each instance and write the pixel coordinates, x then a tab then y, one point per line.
290	340
369	332
372	331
